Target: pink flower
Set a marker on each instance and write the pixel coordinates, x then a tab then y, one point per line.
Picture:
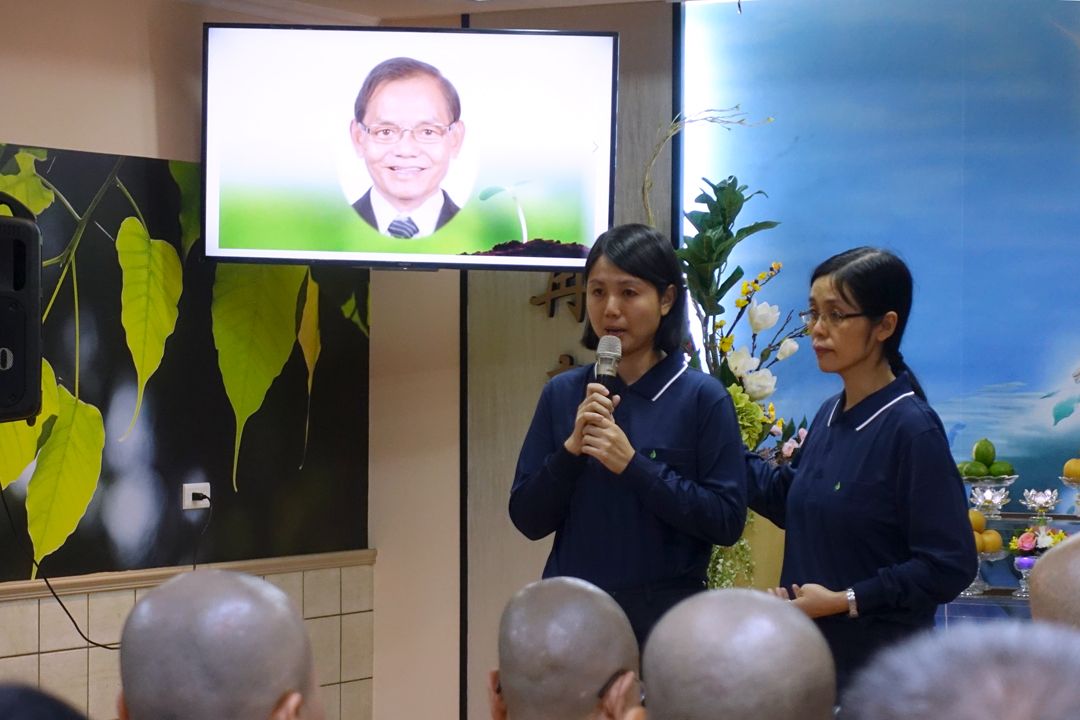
776	431
802	435
1026	542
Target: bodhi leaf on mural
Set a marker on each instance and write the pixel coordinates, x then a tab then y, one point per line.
152	284
353	312
186	176
19	440
310	340
26	185
254	321
66	475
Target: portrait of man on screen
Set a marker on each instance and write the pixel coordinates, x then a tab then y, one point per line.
407	128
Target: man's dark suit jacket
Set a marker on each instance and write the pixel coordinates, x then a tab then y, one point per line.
363	209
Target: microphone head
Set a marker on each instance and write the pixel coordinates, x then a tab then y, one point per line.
610	346
608	354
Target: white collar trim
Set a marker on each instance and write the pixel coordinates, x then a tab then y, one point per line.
884	407
870	419
673	379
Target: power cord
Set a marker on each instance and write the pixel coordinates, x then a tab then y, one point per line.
206	524
11	524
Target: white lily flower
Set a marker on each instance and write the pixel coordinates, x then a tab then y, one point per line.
763	316
759	384
787	348
741	362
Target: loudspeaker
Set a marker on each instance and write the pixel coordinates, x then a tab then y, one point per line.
20	313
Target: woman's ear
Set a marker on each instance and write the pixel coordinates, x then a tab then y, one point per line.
667	300
886	326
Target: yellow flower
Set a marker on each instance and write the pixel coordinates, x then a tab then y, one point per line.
777	265
755	286
772	410
719	324
762	276
780	423
741	302
746	289
726	343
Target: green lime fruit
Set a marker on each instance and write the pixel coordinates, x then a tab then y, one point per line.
976	469
984	452
962	468
1001	467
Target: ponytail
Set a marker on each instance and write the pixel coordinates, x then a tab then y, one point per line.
899	367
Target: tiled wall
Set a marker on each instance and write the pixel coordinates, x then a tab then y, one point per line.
39	646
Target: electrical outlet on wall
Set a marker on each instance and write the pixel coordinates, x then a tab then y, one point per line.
190	489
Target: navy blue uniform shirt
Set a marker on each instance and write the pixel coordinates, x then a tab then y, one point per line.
873	502
683	491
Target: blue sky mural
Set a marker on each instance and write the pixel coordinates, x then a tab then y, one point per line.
947	131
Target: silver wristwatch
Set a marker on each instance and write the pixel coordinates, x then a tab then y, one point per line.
852	606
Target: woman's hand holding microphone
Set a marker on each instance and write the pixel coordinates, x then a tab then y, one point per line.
595	432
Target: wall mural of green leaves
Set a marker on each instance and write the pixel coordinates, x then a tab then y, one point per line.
120	236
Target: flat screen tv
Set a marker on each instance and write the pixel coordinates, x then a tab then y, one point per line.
407	147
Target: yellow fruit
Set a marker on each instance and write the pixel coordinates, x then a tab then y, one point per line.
977	519
991	541
983	451
1072	469
979	542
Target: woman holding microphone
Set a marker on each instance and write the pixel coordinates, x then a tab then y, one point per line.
639	482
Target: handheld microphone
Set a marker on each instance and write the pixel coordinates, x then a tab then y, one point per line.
608	355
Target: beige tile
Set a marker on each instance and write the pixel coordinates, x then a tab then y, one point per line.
57	632
331	700
322	593
292	584
356	700
64	674
19	622
357	646
357	588
325	634
22	669
104	683
108	611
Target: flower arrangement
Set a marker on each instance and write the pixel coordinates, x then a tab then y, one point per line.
1035	540
746	369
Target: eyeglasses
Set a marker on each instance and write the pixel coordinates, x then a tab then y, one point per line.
425	134
830	319
614	678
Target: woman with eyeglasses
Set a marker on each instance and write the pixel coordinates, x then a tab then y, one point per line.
873	506
637	484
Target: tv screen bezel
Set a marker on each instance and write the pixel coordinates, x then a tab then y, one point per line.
421	264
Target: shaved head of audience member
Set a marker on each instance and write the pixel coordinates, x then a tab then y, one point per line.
216	644
20	702
1006	670
1055	584
738	654
566	652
